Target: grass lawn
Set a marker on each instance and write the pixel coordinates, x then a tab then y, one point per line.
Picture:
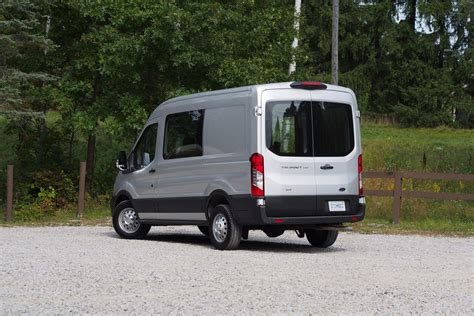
388	148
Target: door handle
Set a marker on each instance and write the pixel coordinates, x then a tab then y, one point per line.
152	171
327	167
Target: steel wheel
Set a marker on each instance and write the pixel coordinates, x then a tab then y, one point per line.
128	220
225	232
219	228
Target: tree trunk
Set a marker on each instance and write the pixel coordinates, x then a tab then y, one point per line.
90	161
296	26
42	130
443	41
71	143
91	139
412	14
335	42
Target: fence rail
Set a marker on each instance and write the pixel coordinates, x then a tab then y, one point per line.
398	193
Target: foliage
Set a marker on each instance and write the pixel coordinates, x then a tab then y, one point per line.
20	41
404	58
57	187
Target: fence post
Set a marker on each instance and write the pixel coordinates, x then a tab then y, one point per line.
9	209
397	198
82	189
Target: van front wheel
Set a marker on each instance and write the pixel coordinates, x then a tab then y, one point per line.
126	222
321	238
224	231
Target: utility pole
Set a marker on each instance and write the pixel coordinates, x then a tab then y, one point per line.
335	42
296	25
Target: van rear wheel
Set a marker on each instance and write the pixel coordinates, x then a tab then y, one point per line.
224	231
321	238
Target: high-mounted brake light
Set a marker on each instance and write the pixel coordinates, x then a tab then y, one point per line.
256	174
359	169
308	85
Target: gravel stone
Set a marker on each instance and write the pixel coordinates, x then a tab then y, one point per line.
78	270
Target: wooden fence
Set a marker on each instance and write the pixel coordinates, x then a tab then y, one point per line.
81	197
397	193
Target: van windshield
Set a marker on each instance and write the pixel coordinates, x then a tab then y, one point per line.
305	128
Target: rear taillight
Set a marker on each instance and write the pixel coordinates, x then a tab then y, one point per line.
257	173
359	163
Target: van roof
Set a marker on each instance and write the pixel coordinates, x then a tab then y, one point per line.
280	85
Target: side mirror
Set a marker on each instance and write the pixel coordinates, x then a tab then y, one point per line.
121	162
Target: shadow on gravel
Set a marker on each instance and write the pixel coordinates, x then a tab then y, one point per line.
198	240
270	246
248	245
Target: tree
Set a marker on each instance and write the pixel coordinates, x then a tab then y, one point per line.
118	60
402	58
24	83
20	42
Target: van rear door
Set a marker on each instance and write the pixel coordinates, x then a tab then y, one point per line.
290	184
336	151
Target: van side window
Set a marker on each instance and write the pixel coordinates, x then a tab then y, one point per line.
183	135
288	128
144	152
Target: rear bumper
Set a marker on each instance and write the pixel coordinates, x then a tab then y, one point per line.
248	213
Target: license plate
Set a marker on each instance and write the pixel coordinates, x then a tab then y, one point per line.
337	206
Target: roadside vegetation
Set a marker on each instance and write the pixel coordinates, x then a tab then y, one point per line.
386	148
443	150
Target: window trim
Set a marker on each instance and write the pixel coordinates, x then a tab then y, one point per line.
165	129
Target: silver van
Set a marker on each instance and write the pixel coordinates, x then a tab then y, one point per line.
271	157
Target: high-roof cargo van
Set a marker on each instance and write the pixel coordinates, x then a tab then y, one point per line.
271	157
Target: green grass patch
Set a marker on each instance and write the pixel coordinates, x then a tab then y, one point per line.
443	150
94	214
389	148
426	226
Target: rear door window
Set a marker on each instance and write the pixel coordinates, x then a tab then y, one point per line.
309	129
288	128
333	129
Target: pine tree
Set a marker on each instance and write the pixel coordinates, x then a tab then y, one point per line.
19	42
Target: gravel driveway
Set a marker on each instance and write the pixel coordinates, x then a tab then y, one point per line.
61	270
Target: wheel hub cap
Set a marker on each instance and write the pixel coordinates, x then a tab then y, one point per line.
128	220
219	228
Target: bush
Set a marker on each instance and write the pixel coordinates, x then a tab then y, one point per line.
55	187
44	205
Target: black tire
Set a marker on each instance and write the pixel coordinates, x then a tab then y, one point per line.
139	231
321	238
233	234
204	230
